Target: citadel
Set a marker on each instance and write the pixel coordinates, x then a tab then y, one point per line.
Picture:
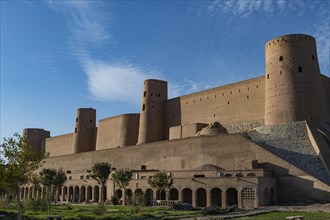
257	142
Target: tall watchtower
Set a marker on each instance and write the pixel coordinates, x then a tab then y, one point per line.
293	86
152	115
84	134
36	137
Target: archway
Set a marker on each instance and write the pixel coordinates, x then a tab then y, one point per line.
104	195
187	195
59	194
138	197
231	195
76	194
272	196
71	194
173	194
129	195
267	200
201	197
26	193
65	194
83	194
118	193
161	194
216	199
248	197
96	193
149	196
30	193
89	194
22	193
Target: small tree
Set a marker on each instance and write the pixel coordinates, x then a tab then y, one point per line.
19	160
100	172
122	177
53	179
162	180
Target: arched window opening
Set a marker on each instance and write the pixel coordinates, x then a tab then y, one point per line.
299	69
280	58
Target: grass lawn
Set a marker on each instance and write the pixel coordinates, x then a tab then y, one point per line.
281	216
87	212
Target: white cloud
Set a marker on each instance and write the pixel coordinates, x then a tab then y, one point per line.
116	82
106	81
245	8
322	35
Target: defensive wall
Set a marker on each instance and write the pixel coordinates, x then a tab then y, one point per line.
118	131
227	152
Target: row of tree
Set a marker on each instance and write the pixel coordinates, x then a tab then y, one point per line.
101	172
19	161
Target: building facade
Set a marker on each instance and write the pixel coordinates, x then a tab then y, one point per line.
207	140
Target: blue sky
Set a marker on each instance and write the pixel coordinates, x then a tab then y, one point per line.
57	56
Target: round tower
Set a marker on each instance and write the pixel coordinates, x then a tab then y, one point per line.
36	137
293	86
152	115
84	133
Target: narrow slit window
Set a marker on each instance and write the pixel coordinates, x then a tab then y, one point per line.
144	94
267	76
280	58
299	69
143	107
313	58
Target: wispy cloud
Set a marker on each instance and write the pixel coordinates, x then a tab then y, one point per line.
107	80
245	8
89	37
322	35
119	82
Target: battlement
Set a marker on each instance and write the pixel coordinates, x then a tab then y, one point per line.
290	38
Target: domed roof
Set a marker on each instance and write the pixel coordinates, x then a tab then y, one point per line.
208	166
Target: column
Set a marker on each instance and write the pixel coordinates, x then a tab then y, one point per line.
193	198
239	198
208	198
224	199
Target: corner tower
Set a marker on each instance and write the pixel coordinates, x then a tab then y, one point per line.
36	138
152	115
293	85
84	134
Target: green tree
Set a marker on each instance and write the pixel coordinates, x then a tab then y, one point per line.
53	180
122	177
19	160
101	172
161	180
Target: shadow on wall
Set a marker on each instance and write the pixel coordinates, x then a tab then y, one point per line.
310	164
294	189
173	114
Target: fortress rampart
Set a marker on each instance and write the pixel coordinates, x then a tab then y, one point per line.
291	90
241	143
118	131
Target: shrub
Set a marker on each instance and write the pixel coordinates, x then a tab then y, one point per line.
114	200
100	209
35	205
138	198
182	206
